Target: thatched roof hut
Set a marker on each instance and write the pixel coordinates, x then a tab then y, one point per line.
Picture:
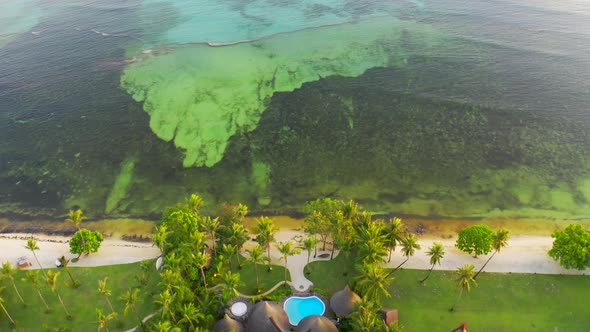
343	302
227	324
267	316
316	323
461	328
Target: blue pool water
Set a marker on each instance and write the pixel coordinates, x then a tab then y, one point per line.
298	308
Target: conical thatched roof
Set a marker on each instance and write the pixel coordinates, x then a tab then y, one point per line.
227	324
344	301
315	323
268	316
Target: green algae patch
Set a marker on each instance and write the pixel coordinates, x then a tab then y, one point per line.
199	96
121	186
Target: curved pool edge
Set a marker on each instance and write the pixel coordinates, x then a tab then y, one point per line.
284	302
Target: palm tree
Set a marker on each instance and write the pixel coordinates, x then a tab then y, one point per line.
499	241
194	203
394	234
256	256
51	279
166	298
464	280
372	282
33	276
201	261
436	253
372	251
409	246
131	298
287	249
191	315
76	217
4	308
104	319
32	246
65	262
160	237
265	231
8	271
364	318
309	244
210	227
231	282
238	236
230	251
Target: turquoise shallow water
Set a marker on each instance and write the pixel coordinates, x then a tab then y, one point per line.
298	308
433	108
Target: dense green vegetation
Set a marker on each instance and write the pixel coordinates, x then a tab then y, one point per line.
81	302
517	302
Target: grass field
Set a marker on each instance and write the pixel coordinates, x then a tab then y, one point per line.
267	279
81	302
500	302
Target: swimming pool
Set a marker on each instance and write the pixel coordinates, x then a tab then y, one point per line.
298	308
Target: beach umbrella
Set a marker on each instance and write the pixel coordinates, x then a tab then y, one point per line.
343	302
316	323
268	316
227	324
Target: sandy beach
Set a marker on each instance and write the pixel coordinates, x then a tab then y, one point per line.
524	254
112	251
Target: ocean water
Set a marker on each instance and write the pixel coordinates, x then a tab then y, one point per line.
431	108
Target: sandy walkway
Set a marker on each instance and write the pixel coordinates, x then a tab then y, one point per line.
12	246
525	254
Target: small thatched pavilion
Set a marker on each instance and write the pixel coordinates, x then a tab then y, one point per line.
316	323
343	302
227	324
267	316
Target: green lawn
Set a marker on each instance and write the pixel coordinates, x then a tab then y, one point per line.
81	302
515	302
267	279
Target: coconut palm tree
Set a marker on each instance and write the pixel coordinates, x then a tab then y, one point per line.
372	251
65	262
32	246
131	298
436	253
287	249
372	282
499	241
395	231
309	244
160	237
4	308
165	299
201	260
230	251
191	315
238	235
409	246
8	272
194	203
76	217
102	289
265	231
51	279
465	276
33	277
365	318
104	319
256	256
231	282
210	226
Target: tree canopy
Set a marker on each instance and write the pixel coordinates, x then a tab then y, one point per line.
571	247
476	240
85	241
